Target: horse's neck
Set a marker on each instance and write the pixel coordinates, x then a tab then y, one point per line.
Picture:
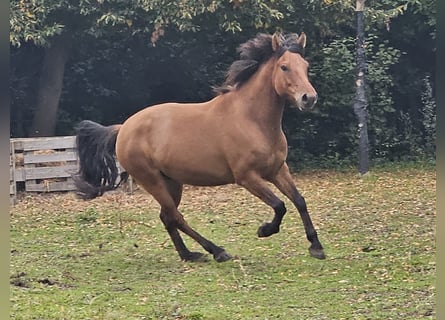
261	102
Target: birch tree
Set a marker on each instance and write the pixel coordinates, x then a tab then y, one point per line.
360	103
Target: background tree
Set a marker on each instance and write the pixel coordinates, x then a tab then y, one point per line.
125	55
360	103
59	26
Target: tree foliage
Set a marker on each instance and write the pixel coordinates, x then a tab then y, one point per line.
126	54
31	21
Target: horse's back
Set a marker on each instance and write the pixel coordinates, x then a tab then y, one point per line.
180	140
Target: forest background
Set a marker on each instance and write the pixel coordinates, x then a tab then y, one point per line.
104	60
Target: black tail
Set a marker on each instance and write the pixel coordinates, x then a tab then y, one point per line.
96	149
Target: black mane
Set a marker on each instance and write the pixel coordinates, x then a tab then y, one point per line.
252	54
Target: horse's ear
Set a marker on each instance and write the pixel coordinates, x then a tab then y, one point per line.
302	40
277	41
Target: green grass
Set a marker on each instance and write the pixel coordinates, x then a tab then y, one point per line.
110	258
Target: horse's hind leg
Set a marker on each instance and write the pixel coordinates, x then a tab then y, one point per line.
168	193
175	191
184	253
219	254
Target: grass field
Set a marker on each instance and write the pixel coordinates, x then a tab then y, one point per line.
110	258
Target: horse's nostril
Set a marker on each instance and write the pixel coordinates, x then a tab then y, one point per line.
304	97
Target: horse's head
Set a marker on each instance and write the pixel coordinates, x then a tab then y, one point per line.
290	75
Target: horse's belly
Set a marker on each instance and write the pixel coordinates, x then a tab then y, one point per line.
199	176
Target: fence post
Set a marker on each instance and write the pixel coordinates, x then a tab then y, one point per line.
12	173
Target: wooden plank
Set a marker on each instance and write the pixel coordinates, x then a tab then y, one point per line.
19	174
53	157
17	143
64	164
12	178
46	143
50	172
49	186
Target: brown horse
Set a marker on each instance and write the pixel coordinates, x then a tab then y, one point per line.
236	137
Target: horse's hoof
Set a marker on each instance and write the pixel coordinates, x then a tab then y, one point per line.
267	230
194	257
317	253
222	256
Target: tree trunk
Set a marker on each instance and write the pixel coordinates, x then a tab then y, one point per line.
360	103
50	88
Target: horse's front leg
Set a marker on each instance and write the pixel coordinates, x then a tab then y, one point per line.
284	182
258	187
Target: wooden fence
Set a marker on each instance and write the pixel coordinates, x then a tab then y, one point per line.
42	165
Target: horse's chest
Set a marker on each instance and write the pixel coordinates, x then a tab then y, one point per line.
266	159
271	160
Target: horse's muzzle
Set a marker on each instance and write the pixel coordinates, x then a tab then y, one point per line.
306	101
309	101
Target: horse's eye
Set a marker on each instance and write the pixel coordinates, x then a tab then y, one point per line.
284	68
